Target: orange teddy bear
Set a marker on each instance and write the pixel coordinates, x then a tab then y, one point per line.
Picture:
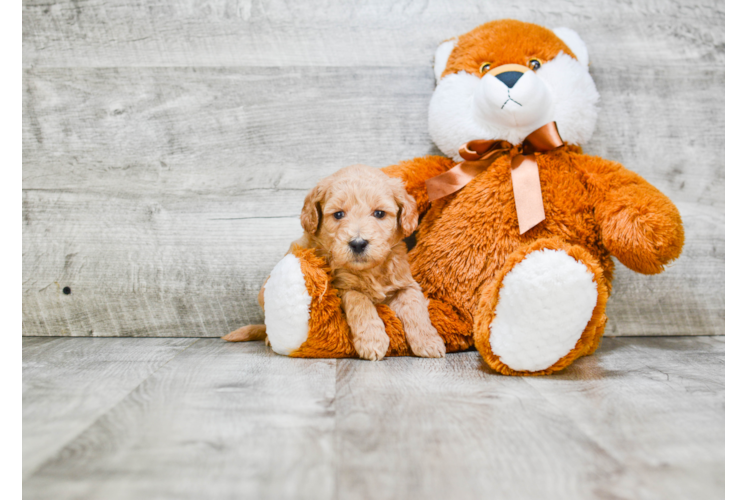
517	224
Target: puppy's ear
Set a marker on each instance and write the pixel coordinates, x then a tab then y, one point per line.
408	214
311	212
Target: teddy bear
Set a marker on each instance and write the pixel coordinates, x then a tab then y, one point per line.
517	225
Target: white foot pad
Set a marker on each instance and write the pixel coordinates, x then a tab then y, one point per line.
544	306
287	306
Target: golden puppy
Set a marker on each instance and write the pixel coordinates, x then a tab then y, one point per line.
356	220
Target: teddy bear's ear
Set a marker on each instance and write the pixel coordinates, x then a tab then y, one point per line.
575	43
441	57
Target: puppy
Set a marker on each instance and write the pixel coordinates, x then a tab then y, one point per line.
356	220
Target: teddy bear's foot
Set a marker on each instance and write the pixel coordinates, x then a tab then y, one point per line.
303	313
545	304
303	316
287	304
544	311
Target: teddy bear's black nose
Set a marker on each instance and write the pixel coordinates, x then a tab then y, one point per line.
358	245
509	78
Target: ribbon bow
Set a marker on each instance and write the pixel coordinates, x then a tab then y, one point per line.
480	154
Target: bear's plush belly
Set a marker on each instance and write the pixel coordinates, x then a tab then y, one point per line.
465	238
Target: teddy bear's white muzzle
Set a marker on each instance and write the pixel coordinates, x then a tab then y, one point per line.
527	104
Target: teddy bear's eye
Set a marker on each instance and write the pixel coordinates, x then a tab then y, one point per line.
485	67
533	64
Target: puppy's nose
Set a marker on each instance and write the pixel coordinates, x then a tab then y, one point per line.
358	245
509	78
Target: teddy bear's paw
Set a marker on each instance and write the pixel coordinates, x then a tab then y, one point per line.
545	304
287	306
427	343
371	342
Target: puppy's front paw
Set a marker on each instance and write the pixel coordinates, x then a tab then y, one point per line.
427	344
371	343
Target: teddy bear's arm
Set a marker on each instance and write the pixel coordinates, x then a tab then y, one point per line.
639	225
414	173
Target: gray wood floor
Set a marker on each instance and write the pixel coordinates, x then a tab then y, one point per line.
126	418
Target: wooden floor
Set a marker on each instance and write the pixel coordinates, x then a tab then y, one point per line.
112	418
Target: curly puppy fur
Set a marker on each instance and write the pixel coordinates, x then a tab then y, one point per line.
355	220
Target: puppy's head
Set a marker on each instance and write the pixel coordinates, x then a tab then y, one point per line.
357	215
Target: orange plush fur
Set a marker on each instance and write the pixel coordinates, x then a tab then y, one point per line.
385	309
589	203
469	241
504	42
594	208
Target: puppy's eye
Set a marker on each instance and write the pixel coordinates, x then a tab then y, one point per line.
339	215
534	64
379	214
485	67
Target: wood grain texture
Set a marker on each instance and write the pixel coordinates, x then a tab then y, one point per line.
677	452
324	33
642	418
69	383
219	421
167	148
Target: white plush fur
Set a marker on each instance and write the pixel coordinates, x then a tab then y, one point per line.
544	306
525	107
574	96
572	40
465	107
441	57
287	306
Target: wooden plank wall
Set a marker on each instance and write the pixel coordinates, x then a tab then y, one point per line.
167	146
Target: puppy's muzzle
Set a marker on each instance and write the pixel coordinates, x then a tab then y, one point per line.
358	245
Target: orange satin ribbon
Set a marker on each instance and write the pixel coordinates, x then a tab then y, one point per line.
480	154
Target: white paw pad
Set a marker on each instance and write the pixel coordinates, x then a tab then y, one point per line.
544	306
287	306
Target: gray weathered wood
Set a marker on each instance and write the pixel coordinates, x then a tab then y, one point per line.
642	418
657	406
219	421
69	383
167	149
110	33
